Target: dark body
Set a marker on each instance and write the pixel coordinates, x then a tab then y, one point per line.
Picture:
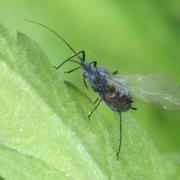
113	93
158	90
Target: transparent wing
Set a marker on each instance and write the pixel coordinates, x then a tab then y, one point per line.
157	89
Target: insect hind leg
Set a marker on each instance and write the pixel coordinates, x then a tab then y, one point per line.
120	134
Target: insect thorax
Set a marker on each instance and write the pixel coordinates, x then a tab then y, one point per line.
97	78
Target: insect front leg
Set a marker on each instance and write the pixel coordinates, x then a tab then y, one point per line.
70	59
72	70
94	63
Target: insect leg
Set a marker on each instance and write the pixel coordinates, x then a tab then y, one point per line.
84	80
133	108
120	134
115	72
95	107
94	63
69	59
96	101
70	71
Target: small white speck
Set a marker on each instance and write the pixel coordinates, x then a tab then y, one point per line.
17	140
58	152
70	158
21	130
140	78
63	109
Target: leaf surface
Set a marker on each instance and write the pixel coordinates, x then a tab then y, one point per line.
45	132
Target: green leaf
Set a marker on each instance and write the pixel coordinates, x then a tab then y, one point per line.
45	132
1	178
171	166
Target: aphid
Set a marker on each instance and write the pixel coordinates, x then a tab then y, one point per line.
116	92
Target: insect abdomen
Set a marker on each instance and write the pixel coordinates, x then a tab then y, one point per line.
116	99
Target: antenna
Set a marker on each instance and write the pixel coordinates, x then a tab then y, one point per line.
55	33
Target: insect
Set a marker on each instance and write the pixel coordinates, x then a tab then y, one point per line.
116	91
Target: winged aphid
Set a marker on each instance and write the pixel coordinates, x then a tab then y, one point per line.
116	91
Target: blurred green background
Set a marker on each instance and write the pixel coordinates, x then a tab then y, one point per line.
129	36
